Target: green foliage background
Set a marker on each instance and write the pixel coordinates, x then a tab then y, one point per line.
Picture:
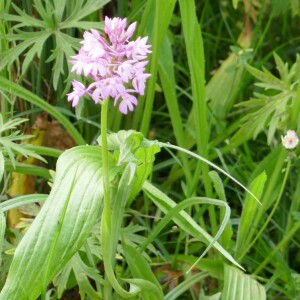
224	85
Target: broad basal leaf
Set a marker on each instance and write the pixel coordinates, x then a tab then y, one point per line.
240	286
62	225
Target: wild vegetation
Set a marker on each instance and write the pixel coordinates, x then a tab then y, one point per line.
152	157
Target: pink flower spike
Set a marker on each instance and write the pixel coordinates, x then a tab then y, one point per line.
78	91
114	65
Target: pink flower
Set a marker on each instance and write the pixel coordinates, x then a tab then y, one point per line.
115	29
79	91
92	44
290	140
127	103
138	49
116	66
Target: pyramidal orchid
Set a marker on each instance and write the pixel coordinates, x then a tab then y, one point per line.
114	64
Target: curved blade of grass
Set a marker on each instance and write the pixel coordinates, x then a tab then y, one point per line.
47	151
22	200
219	188
185	285
2	232
27	169
184	220
168	145
183	205
62	225
17	90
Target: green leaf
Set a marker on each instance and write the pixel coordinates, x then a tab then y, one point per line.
176	293
2	165
131	146
44	11
266	111
235	3
70	211
282	68
218	185
246	229
63	51
27	169
22	200
2	232
59	8
27	20
81	11
267	78
240	286
36	49
116	140
82	273
18	148
163	11
140	268
52	24
15	52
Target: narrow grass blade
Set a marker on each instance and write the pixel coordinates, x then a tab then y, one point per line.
163	14
140	268
28	169
180	207
168	145
188	283
2	165
218	185
22	200
2	232
246	230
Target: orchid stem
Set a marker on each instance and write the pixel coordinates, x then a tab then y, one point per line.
106	215
105	162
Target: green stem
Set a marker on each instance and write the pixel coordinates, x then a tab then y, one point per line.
271	213
110	281
106	215
105	163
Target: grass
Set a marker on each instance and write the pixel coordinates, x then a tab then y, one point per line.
223	85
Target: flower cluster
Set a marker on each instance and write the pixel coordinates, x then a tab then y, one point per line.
115	65
290	140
